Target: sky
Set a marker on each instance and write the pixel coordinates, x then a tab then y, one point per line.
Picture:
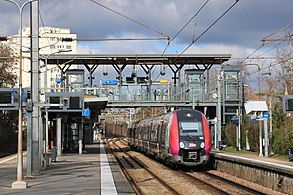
238	32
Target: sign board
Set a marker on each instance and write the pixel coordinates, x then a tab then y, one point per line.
255	106
86	112
235	120
266	115
58	80
109	82
164	81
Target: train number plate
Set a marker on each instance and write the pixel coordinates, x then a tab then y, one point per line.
192	155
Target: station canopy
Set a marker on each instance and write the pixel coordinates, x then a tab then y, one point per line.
144	59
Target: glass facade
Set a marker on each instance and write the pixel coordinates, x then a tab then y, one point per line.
194	85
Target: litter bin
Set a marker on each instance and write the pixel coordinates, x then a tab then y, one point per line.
54	154
290	154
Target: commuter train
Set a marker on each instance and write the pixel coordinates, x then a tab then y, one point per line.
181	137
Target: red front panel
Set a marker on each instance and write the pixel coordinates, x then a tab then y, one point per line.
174	136
207	136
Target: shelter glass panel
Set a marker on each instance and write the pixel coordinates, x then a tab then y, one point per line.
232	91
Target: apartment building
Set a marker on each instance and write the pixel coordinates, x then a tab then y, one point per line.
50	44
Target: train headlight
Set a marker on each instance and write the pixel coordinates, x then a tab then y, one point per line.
202	144
181	144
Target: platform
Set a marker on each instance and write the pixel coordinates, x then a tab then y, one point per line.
278	164
276	174
94	172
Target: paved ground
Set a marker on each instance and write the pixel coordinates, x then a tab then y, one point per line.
71	174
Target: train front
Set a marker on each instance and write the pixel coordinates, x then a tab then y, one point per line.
190	140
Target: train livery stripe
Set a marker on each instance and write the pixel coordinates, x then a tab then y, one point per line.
207	136
174	136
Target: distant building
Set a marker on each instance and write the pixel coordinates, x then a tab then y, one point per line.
49	43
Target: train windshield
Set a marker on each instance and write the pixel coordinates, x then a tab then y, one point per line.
190	128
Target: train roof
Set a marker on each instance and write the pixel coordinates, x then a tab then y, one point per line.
148	120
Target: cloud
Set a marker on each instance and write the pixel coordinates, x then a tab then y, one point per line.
243	26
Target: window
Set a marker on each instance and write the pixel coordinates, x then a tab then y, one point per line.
190	128
52	46
68	46
145	133
231	75
232	90
154	133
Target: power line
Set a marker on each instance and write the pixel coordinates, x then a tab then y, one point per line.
271	65
249	74
270	49
263	43
193	41
184	26
128	18
43	25
283	28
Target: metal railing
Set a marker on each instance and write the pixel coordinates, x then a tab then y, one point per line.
141	93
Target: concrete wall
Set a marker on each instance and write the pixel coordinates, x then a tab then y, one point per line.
278	179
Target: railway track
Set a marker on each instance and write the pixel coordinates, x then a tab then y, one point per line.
222	185
130	163
244	188
206	181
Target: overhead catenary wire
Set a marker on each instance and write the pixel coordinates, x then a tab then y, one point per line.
184	26
254	72
271	65
273	33
279	62
268	50
43	25
207	29
249	57
262	45
128	18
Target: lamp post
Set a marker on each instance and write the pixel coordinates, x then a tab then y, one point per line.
20	184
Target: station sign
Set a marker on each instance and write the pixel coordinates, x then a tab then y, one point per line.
109	82
86	112
235	120
266	115
164	81
58	80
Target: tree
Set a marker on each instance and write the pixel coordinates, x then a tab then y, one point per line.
8	119
7	59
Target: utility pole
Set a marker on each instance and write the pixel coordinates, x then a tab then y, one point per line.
219	112
266	136
36	131
260	139
271	128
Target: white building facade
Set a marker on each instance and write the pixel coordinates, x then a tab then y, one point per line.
50	43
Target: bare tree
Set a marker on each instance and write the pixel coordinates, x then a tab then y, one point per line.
7	60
